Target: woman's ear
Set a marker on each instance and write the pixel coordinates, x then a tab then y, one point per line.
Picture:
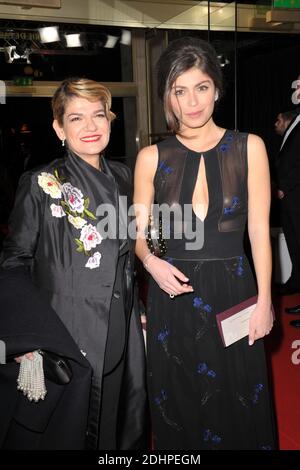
59	130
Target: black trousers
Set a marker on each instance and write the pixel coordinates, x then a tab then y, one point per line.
290	219
113	364
112	383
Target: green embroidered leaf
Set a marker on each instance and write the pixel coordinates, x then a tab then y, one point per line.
86	202
59	178
89	214
80	246
67	209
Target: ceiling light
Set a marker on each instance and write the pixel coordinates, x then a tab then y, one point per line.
111	41
73	40
125	38
49	34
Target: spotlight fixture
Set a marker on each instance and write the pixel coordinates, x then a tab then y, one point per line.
49	34
126	37
73	40
111	41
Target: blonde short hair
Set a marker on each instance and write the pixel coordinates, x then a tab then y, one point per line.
80	88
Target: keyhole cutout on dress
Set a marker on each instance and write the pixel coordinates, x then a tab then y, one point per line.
200	199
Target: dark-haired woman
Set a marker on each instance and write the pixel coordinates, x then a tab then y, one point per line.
203	395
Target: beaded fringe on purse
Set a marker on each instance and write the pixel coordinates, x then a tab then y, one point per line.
31	380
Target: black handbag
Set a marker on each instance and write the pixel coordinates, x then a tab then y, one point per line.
56	368
155	241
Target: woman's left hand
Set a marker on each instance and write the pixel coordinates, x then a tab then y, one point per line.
261	323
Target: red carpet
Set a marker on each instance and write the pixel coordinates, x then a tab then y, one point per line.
283	350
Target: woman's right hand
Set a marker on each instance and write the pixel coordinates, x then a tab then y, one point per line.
28	355
168	277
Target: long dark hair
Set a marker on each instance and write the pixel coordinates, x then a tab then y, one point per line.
181	55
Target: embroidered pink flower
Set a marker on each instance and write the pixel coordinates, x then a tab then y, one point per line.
49	184
57	211
94	261
73	197
90	237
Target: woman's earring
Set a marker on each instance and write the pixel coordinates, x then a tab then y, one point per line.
63	142
216	96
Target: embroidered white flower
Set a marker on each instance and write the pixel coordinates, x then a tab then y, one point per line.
77	222
57	211
49	184
73	197
94	261
90	237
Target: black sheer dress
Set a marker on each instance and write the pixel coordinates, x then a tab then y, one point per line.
202	395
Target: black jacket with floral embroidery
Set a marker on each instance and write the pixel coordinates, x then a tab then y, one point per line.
57	234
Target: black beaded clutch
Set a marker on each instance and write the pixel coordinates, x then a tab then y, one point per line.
56	368
155	241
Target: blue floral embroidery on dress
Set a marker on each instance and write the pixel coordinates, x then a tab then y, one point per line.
235	266
208	435
208	386
257	389
216	439
165	168
240	269
207	308
211	373
253	398
160	401
162	337
202	369
234	205
162	397
163	334
224	147
204	311
198	303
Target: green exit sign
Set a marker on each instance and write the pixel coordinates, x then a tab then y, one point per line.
286	3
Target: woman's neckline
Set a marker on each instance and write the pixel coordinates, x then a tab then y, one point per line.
84	163
203	151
